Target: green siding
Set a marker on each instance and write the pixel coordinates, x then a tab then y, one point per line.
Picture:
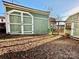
40	26
39	15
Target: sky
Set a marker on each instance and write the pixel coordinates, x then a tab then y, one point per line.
57	7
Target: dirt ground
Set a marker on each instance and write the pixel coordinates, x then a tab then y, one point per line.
63	48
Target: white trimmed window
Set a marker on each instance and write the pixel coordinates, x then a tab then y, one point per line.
20	22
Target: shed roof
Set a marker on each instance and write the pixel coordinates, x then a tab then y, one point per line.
23	8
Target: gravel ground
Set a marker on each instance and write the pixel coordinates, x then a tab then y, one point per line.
24	43
64	48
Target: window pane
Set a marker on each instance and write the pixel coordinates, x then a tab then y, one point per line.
27	20
15	19
14	28
27	27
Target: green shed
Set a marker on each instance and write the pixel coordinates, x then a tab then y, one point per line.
24	20
72	25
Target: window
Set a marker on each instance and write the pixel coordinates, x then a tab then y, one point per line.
15	28
15	19
21	22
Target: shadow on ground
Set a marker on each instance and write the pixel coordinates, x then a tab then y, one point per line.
64	48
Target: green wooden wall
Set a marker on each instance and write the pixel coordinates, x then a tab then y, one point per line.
75	19
40	26
40	23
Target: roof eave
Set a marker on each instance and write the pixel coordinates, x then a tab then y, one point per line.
15	6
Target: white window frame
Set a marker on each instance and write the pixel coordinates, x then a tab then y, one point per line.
22	28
